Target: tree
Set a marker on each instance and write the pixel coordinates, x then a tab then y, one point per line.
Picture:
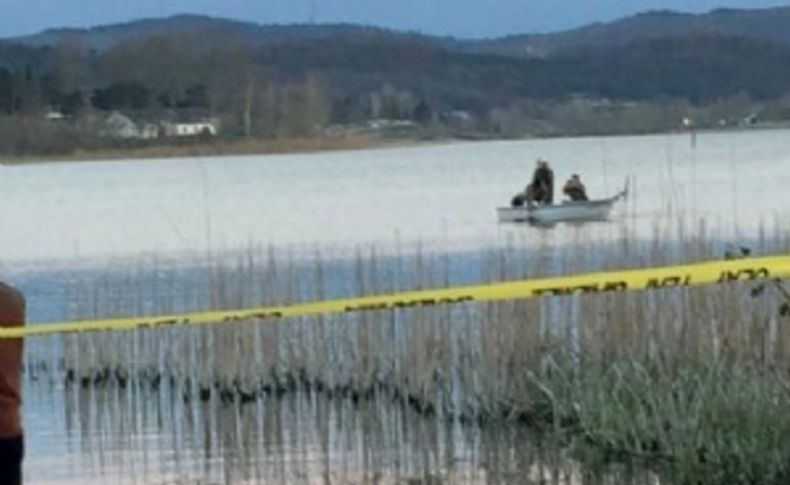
122	95
423	113
196	96
51	87
72	103
6	91
26	92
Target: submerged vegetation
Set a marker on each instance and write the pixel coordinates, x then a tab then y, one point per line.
690	382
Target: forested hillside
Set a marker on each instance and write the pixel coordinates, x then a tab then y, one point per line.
275	81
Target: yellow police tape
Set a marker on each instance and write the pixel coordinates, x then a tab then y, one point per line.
705	273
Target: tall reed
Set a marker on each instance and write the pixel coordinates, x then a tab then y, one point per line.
692	380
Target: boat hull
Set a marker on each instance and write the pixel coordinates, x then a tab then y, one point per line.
569	211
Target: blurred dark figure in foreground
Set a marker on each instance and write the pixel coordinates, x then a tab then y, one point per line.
12	314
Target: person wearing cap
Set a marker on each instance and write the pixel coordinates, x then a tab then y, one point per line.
575	189
12	314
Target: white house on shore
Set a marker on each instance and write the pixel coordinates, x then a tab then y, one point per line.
150	131
196	128
119	126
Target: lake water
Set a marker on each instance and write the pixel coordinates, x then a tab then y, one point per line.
66	224
442	196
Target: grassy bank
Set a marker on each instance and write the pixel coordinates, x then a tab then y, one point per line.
208	148
86	149
96	149
716	422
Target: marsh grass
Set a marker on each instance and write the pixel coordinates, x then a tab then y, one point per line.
691	381
65	150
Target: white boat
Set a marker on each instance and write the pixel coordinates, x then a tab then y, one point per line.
567	211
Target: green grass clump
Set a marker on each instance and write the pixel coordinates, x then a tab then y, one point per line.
716	424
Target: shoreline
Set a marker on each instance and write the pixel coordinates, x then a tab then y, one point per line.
241	147
213	148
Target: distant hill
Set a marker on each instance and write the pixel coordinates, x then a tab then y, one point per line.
17	56
317	75
197	28
697	57
771	25
700	68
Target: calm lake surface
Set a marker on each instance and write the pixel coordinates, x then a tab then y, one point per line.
67	224
443	196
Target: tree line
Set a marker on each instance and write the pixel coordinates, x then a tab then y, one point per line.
303	85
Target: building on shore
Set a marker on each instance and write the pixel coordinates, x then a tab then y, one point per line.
189	129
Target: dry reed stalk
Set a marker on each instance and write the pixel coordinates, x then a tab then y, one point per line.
470	360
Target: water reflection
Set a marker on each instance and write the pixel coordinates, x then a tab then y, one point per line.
150	429
137	435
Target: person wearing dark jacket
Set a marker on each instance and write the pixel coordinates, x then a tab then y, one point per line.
542	186
575	189
12	314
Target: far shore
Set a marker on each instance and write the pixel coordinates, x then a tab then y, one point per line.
211	148
229	147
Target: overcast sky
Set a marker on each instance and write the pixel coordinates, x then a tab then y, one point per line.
460	18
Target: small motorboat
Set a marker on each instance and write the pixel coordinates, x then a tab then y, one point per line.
567	211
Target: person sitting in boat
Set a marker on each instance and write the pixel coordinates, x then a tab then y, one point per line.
541	190
574	188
